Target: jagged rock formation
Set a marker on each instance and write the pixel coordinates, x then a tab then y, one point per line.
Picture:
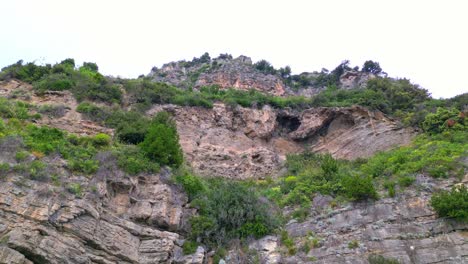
244	143
240	73
118	219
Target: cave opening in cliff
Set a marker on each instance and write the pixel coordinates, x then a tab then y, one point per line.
287	124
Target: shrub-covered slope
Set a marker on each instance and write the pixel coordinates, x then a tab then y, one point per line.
96	169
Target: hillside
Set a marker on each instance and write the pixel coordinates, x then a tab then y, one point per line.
228	161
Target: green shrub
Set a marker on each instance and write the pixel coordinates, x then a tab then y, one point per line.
161	143
21	155
189	247
452	204
54	82
133	161
353	244
4	169
87	166
101	140
329	165
76	189
405	181
440	121
255	229
14	109
358	187
192	185
229	210
390	186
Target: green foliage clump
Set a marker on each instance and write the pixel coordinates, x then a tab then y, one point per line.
265	67
452	204
54	82
189	247
101	140
358	187
288	242
14	109
133	161
192	185
161	143
4	169
444	119
76	189
371	67
227	210
29	72
437	155
353	244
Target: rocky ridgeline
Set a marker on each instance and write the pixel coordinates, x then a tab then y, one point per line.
240	73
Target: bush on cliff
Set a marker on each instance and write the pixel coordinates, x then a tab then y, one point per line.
161	143
452	204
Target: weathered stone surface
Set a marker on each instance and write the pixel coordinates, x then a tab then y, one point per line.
267	248
53	226
10	256
253	143
196	258
403	228
240	73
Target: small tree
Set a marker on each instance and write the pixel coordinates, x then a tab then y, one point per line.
371	67
161	143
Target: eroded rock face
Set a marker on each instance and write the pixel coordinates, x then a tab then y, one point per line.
404	228
245	143
240	74
124	220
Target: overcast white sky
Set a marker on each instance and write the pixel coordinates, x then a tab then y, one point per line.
425	41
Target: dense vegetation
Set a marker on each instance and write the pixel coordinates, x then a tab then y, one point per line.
227	210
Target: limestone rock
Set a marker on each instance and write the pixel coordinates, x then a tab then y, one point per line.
240	143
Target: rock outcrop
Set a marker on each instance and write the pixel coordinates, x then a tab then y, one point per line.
240	73
404	228
118	220
245	143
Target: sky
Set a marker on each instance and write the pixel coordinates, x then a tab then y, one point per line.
424	41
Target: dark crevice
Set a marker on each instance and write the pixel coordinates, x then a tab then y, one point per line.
34	258
287	124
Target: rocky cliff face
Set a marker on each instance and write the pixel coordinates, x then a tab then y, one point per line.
122	220
245	143
403	228
119	219
240	73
